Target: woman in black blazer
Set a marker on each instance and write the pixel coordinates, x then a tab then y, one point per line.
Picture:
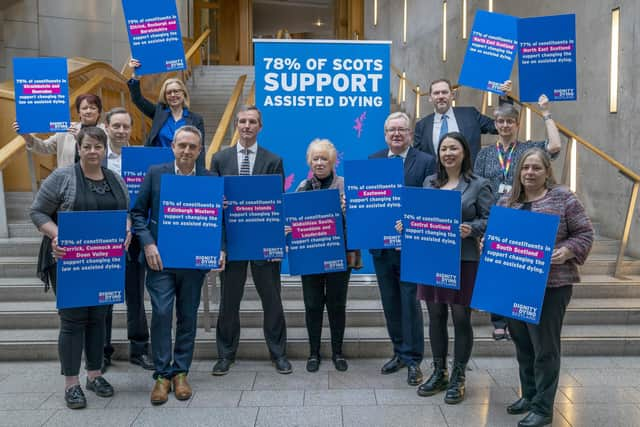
169	114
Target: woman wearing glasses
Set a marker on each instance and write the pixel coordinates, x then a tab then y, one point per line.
496	162
169	114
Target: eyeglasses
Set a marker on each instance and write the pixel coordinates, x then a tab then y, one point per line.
397	130
509	122
174	92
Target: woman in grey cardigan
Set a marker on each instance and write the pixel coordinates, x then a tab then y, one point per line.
454	172
84	186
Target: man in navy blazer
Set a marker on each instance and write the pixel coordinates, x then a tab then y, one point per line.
402	310
248	158
466	120
168	285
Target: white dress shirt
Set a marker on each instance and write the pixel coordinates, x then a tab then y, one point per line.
253	150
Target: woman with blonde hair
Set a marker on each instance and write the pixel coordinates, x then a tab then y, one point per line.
327	289
170	113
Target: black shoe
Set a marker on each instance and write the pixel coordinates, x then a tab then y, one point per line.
340	362
393	365
455	391
142	360
534	419
222	367
414	375
520	406
313	363
438	381
75	397
283	366
106	363
100	387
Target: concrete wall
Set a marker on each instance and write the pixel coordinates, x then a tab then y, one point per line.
90	28
603	190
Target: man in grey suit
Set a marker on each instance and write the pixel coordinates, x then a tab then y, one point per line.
445	118
248	158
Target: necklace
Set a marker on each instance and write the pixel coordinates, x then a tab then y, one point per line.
99	187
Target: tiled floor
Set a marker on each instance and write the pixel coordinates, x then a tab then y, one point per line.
594	391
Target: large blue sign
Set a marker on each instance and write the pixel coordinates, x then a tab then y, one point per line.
41	94
253	217
372	189
491	51
337	90
316	240
92	269
547	58
431	237
515	263
135	163
154	35
190	221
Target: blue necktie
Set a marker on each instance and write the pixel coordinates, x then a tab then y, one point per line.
444	127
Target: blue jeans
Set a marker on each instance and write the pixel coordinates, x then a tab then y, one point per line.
165	287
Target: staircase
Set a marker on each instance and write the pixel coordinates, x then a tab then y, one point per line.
602	319
210	88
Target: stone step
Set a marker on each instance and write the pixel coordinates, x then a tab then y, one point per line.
360	313
23	228
20	246
18	266
361	287
360	342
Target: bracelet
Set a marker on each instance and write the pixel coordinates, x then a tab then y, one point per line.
547	117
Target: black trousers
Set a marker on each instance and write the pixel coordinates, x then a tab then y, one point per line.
81	328
137	326
328	289
266	276
538	350
438	334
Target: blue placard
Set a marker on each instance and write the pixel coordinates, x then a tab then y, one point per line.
316	241
337	90
431	237
154	35
491	51
515	263
41	94
253	217
92	270
372	189
547	58
190	221
135	163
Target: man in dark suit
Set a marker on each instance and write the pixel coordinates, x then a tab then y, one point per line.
445	118
401	308
118	124
247	158
168	285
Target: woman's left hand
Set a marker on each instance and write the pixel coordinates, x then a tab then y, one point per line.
561	255
399	226
543	103
57	251
465	231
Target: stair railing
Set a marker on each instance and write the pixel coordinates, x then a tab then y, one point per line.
568	168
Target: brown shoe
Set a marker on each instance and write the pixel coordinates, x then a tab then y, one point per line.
160	392
181	387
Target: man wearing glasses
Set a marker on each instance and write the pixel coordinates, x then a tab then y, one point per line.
401	308
445	118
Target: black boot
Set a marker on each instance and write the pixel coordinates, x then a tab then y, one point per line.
455	392
438	380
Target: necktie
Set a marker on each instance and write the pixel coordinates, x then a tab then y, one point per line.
245	166
444	126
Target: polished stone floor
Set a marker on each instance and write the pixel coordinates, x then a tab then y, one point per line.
594	391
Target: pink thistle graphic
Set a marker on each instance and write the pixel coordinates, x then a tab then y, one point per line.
310	174
288	182
359	126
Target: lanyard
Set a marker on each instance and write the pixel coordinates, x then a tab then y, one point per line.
505	165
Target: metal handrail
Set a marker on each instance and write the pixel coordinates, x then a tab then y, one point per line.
226	119
633	176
